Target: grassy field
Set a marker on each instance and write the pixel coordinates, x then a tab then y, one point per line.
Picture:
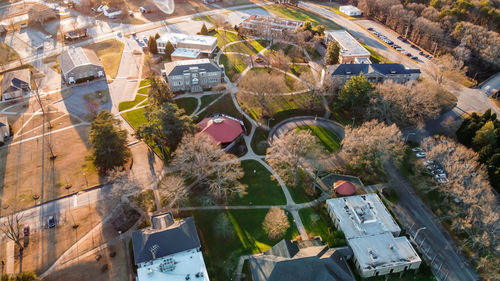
188	104
313	53
144	83
206	100
110	53
259	141
233	65
261	189
285	84
7	54
129	104
317	222
282	107
329	140
376	57
251	48
297	55
135	117
224	105
224	37
300	14
299	195
143	91
246	237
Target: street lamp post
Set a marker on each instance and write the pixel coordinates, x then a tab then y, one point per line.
416	233
406	139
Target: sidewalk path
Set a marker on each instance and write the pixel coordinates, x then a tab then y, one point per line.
291	123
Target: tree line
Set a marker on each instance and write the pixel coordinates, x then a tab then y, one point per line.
466	29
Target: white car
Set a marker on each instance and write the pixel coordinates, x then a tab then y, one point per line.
428	163
416	149
443	180
421	154
440	176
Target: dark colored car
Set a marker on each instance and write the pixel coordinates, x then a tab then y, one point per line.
51	222
26	230
370	28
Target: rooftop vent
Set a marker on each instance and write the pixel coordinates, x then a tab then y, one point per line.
218	120
154	250
372	253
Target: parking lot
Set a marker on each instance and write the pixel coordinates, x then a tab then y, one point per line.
395	41
434	168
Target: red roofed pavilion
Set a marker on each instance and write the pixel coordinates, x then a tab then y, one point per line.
344	188
222	128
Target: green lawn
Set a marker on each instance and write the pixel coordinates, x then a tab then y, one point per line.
251	48
261	189
224	37
143	91
135	117
317	222
144	83
329	139
313	53
299	194
222	253
376	57
110	54
206	100
296	13
188	104
129	104
298	69
259	141
233	65
285	83
282	107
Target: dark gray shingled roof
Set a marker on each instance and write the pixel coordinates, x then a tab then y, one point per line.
315	263
179	237
74	57
179	67
382	68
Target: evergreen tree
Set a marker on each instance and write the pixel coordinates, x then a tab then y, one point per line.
355	93
159	92
166	126
332	53
169	49
109	143
152	45
204	30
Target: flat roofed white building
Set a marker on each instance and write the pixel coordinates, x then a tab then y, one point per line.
361	215
350	10
185	54
205	44
383	254
371	232
176	267
350	47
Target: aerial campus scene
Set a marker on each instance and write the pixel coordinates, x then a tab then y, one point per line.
250	140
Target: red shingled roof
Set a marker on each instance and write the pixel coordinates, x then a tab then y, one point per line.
344	188
222	129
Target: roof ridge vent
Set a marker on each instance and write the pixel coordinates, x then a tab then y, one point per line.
218	119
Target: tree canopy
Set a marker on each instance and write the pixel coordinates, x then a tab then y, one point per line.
109	143
355	93
159	92
332	53
204	30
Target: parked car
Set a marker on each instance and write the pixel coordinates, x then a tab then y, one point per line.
51	222
416	149
370	28
131	13
421	154
428	163
414	47
440	176
119	34
414	58
443	180
145	39
26	230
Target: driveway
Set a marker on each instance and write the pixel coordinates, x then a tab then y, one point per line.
75	104
291	123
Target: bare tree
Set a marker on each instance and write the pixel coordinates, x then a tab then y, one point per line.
280	60
447	67
12	228
260	85
199	158
290	153
369	144
276	223
172	189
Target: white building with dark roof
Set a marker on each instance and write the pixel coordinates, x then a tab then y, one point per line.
372	234
80	64
16	84
350	48
193	75
169	250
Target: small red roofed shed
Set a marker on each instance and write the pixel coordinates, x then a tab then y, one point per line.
344	188
222	128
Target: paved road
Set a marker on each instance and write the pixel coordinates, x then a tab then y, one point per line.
412	212
492	85
291	123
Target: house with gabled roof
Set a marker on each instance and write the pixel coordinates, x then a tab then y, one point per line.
169	250
193	75
309	260
80	64
16	84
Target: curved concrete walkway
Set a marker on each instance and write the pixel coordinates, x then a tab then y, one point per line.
291	123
